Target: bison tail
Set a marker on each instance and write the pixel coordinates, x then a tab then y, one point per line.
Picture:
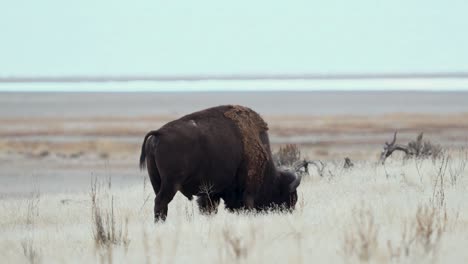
143	149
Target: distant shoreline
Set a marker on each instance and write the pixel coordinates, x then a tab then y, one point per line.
436	83
230	77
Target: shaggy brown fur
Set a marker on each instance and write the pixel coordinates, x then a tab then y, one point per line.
256	155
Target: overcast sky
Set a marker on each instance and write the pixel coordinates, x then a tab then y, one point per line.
91	37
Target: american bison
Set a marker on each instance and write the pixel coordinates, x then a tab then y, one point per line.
218	153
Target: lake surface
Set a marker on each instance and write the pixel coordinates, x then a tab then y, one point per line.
43	104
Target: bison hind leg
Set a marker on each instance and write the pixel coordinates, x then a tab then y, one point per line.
208	204
163	198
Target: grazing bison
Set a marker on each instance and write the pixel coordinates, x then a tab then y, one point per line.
218	153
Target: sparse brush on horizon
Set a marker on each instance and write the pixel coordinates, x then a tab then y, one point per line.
417	148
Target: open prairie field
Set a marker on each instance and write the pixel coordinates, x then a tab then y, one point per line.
71	190
411	212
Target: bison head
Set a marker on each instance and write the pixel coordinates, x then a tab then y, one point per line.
287	193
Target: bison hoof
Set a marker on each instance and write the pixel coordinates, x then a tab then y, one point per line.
159	219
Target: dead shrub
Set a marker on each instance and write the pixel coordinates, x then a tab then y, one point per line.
456	168
438	189
28	243
422	235
30	251
107	229
403	248
424	149
418	149
209	206
237	247
348	164
429	227
429	223
361	241
287	155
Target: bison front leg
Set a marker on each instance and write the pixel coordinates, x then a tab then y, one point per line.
232	201
163	198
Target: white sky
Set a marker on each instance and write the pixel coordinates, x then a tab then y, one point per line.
123	37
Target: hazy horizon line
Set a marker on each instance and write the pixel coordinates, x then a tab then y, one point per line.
230	77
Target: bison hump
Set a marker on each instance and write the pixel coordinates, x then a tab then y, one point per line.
250	125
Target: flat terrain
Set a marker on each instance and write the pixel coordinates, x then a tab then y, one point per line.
59	140
52	147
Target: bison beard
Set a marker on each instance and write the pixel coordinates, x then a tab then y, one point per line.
218	153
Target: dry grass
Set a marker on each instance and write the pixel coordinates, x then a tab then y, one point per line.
236	247
361	240
400	213
420	238
107	229
28	243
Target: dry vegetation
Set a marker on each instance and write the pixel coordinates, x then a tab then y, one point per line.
413	211
323	137
418	149
287	155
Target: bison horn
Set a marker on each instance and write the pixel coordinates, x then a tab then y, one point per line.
293	185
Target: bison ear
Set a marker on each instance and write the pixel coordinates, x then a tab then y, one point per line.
295	183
